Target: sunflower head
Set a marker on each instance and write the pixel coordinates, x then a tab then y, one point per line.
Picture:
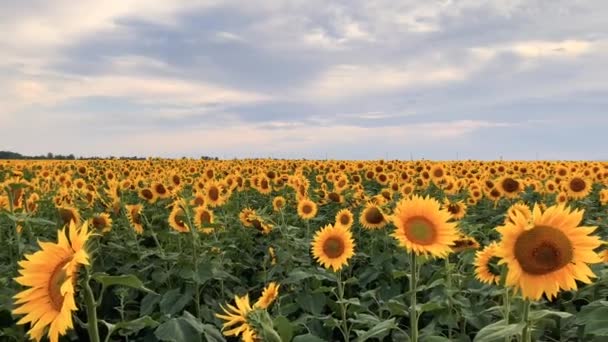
547	252
50	276
178	220
465	243
236	319
307	209
134	217
269	295
486	264
422	227
518	208
278	203
344	218
373	217
333	246
101	222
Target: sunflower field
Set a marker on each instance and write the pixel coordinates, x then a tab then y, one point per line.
303	251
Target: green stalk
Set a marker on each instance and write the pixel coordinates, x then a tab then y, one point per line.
194	238
507	307
91	311
448	281
9	191
526	336
344	329
413	311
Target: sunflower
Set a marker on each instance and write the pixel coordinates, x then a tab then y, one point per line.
278	203
202	218
198	200
4	202
160	190
422	227
273	257
50	275
213	194
269	295
457	209
148	195
134	217
236	319
437	173
32	203
464	243
68	214
372	217
344	218
518	208
486	264
509	186
178	220
561	198
548	252
604	196
604	255
577	186
307	209
101	222
246	215
332	246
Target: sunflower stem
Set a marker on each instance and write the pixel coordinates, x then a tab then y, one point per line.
448	281
507	307
92	325
345	331
194	238
9	192
151	229
526	336
413	287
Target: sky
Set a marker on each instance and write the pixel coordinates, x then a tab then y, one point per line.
360	79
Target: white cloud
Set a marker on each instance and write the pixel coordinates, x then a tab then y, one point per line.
347	80
540	49
49	91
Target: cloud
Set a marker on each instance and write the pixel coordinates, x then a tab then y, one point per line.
346	80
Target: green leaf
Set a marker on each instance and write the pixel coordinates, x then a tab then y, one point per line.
177	330
296	276
307	338
131	327
212	334
284	327
128	280
149	303
205	273
173	301
27	219
429	306
538	314
594	317
350	301
498	331
312	303
379	329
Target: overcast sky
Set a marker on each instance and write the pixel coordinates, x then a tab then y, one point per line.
344	80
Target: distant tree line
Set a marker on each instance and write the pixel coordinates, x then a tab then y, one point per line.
51	156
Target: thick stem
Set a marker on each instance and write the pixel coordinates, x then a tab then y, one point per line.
526	336
91	312
507	307
448	282
345	331
194	238
413	311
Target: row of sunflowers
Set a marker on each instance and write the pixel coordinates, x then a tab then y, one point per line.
172	250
